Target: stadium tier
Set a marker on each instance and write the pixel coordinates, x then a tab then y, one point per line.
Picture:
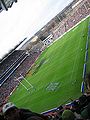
16	67
12	58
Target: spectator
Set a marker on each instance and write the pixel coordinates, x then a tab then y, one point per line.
68	115
11	112
35	118
86	112
2	117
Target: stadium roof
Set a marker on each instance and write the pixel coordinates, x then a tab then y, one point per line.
24	19
5	4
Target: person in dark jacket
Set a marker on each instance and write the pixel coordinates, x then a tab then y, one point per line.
1	117
86	112
11	112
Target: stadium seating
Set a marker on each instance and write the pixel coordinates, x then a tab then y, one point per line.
72	19
10	60
14	59
10	84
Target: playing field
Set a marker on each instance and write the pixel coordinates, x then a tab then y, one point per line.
57	75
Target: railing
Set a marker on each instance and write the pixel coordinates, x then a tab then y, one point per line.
86	61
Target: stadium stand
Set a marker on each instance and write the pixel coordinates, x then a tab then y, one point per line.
76	109
10	68
12	58
77	14
10	84
10	64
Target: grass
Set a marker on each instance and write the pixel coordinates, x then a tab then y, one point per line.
63	64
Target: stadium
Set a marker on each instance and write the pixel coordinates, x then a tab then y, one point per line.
49	70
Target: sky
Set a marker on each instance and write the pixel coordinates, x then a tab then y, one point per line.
24	19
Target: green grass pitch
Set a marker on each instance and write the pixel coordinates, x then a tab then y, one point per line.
57	74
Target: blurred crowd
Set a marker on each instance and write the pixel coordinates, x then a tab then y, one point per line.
76	110
77	14
11	83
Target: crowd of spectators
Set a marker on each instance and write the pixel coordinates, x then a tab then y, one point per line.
78	109
77	14
10	84
12	58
